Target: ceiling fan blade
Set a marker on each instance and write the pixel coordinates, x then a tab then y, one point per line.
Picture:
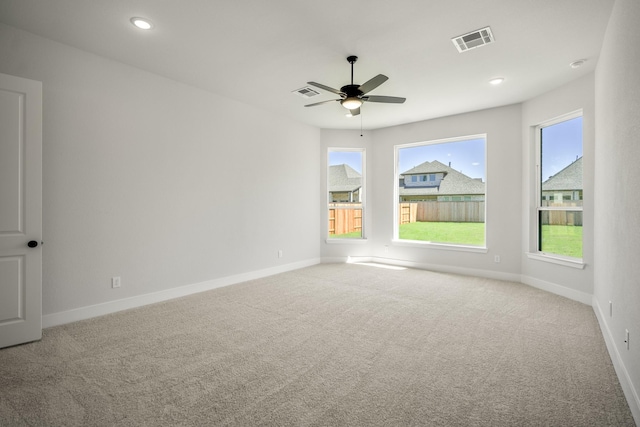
322	102
373	83
387	99
327	88
355	111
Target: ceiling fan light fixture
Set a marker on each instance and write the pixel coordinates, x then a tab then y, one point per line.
351	103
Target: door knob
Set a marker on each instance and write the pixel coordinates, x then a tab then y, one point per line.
32	244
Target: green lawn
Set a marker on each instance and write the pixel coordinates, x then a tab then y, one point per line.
562	240
460	233
353	235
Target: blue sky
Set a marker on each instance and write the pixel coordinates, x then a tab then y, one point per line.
351	158
561	145
465	156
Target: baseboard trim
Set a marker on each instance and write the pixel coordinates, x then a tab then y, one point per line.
498	275
97	310
621	371
554	288
488	274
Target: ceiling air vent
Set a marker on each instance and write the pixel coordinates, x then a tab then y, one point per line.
306	92
473	39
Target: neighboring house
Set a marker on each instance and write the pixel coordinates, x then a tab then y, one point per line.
564	186
345	184
439	182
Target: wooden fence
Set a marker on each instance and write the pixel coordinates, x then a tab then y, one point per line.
562	217
441	212
345	218
407	212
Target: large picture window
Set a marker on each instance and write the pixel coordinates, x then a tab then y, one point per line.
345	184
440	191
559	189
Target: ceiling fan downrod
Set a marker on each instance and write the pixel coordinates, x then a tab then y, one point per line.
352	59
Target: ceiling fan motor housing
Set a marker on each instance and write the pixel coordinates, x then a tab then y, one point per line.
351	91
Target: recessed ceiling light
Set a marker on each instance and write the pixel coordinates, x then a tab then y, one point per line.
496	81
577	64
142	23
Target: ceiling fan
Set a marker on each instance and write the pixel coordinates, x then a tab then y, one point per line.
352	96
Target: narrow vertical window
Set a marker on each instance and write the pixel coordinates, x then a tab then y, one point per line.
346	194
441	191
560	187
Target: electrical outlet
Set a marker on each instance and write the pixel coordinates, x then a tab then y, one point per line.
386	249
280	253
496	258
626	338
116	282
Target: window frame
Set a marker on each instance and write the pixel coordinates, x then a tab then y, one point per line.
538	253
362	195
396	198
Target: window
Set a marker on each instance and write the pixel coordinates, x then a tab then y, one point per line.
345	184
559	186
446	205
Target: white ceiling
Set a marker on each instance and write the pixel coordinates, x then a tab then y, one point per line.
259	51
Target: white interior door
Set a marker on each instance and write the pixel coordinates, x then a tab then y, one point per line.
20	210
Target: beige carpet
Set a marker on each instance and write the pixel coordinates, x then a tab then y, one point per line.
329	345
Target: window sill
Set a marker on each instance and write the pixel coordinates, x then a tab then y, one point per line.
573	263
440	246
345	241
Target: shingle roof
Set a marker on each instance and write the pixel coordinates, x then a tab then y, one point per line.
428	167
454	182
569	178
344	178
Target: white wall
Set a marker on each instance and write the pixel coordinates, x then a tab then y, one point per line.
576	95
158	182
617	215
502	126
